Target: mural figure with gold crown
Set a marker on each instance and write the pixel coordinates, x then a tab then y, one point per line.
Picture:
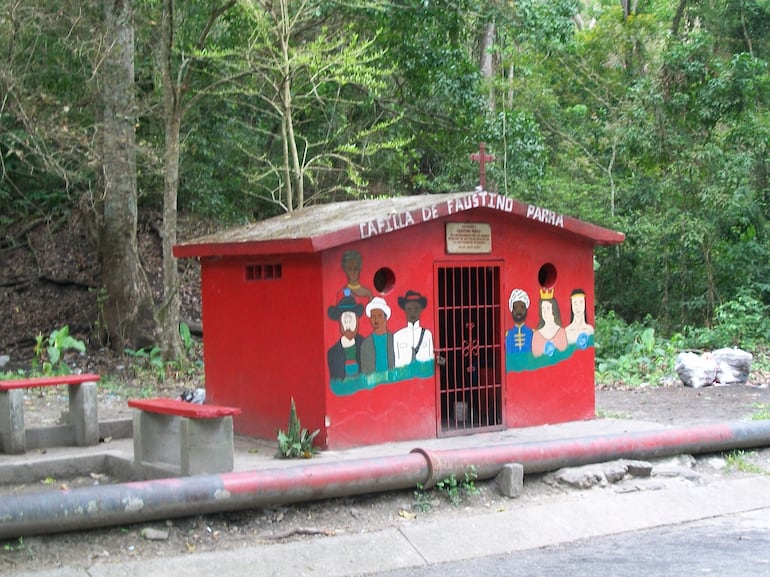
549	336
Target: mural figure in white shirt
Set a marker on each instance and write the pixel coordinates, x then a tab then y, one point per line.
413	342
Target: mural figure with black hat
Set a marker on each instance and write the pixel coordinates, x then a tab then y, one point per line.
345	356
413	342
377	349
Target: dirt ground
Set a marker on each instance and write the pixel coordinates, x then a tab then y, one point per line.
48	279
323	520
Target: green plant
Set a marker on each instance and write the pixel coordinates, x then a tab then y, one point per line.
9	375
49	353
739	461
422	500
187	340
125	390
603	414
296	442
8	547
631	354
762	412
151	359
453	488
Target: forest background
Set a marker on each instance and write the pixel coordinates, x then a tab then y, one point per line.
646	116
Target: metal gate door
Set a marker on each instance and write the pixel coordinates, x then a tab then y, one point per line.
469	345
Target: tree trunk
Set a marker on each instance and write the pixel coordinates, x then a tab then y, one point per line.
677	20
129	310
170	340
487	61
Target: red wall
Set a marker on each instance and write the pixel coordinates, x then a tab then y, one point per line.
407	410
267	341
563	392
394	411
263	341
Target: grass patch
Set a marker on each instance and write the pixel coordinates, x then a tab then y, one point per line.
739	460
604	414
762	412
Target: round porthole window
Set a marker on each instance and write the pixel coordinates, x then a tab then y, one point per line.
546	276
384	280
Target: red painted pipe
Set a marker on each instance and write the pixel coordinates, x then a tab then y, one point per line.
103	506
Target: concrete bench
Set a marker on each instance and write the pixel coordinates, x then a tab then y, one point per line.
83	416
173	436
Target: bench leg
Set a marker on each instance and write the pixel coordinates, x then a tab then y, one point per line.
12	421
84	416
206	445
156	439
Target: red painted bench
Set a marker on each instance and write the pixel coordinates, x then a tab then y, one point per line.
182	438
34	382
83	415
182	408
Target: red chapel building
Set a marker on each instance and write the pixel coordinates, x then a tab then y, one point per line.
401	318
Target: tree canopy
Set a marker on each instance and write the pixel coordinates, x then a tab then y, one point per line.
649	117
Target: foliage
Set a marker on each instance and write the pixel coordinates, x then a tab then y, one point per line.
762	412
46	121
49	352
436	90
652	122
634	353
187	341
739	460
454	489
10	546
296	442
631	354
315	79
127	389
151	361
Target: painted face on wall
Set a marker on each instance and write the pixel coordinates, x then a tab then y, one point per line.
379	321
519	312
546	309
352	268
412	310
578	306
349	324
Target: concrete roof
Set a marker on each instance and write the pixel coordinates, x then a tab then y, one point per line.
319	227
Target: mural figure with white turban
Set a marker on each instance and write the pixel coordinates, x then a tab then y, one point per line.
377	351
518	339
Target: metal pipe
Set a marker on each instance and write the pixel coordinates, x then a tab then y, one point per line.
103	506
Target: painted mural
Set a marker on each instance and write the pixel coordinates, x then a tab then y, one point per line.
357	362
413	343
371	352
550	342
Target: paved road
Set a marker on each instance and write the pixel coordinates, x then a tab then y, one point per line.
728	546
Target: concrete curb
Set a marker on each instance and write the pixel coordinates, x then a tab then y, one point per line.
589	514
